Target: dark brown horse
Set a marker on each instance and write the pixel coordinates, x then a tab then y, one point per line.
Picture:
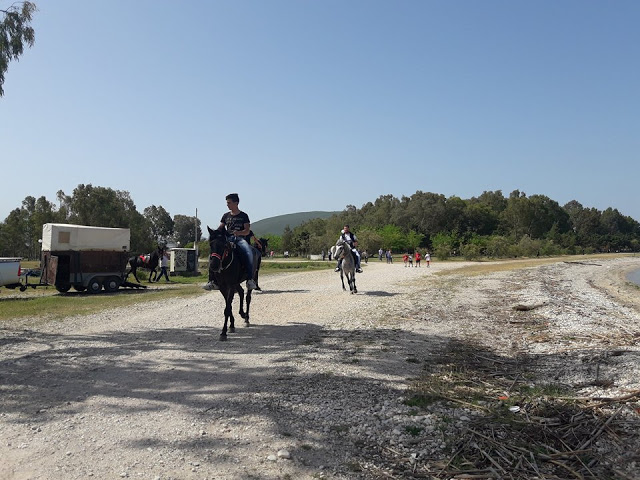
226	268
148	262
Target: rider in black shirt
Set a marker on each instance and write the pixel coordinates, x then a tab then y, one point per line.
237	225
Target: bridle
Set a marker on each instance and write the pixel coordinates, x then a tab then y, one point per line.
227	254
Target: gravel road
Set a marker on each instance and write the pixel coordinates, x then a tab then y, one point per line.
314	388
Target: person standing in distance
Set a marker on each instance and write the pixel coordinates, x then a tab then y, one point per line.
237	226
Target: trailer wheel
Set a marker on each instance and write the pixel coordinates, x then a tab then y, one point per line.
94	285
63	287
111	284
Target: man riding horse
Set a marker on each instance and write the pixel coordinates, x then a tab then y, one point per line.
237	226
350	239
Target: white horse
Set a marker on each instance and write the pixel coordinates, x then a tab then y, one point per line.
348	265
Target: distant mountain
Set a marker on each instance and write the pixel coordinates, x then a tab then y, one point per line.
276	225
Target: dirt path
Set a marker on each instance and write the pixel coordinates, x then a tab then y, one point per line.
305	392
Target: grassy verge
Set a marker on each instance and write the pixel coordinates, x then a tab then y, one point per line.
47	303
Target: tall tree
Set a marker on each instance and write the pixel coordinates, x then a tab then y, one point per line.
13	234
287	238
15	33
161	223
184	228
105	207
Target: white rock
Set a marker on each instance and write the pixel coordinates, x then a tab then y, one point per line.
284	454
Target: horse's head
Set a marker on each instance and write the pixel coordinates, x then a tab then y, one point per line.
340	249
219	249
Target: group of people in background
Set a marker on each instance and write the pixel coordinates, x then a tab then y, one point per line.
408	259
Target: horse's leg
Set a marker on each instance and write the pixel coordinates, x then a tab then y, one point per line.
134	270
353	282
257	272
232	322
246	319
342	280
228	314
241	295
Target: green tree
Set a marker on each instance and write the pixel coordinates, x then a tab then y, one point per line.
38	212
105	207
15	33
161	223
455	212
369	240
274	243
481	218
287	239
185	228
428	212
14	234
497	246
414	239
444	244
300	242
393	238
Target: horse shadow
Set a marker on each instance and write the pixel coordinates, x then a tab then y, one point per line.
269	292
380	293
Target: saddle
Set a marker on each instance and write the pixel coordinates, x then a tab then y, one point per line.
256	255
145	258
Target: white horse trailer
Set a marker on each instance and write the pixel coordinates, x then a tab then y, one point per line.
84	257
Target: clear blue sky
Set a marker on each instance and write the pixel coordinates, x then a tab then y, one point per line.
303	105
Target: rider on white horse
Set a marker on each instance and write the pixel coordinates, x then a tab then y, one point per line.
349	238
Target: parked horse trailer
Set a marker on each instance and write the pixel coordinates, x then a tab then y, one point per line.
85	258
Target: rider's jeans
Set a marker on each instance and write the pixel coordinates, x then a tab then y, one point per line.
247	254
357	255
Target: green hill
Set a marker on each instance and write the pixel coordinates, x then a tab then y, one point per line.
276	225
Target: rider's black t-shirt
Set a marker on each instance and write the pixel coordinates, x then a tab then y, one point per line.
235	223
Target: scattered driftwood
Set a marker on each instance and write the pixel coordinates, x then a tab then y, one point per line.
525	308
520	434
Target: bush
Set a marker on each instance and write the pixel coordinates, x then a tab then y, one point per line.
471	251
442	252
498	247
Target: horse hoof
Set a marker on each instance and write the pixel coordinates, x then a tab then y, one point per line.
223	337
232	330
246	322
